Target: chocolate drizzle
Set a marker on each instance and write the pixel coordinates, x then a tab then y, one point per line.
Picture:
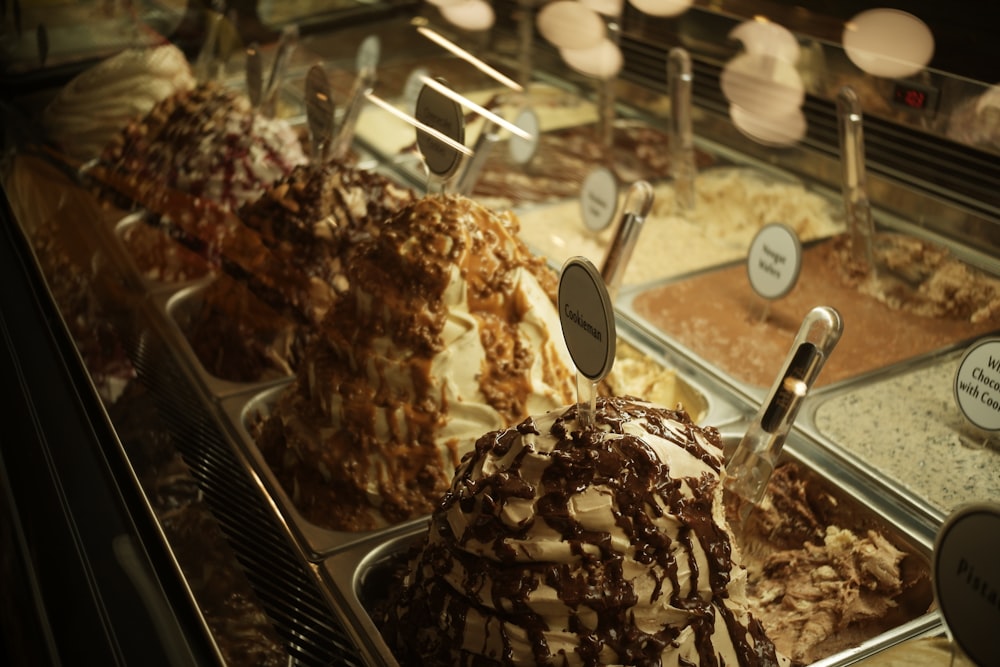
522	547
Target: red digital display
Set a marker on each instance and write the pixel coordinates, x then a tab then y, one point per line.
914	96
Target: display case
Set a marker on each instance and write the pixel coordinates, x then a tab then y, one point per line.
145	521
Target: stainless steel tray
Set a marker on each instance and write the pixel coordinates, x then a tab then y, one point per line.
354	576
913	438
737	389
318	543
180	307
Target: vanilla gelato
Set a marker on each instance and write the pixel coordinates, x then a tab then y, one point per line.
98	103
446	329
563	544
731	207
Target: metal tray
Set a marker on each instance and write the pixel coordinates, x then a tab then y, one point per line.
181	306
356	576
318	543
909	403
151	285
740	390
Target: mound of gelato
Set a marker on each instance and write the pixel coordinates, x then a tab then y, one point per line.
311	216
97	104
820	579
205	142
564	545
446	329
309	221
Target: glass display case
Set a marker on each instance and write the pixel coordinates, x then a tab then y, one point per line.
146	339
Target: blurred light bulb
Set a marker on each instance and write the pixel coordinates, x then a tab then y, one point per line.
570	25
767	38
771	130
602	61
888	42
662	7
762	85
470	14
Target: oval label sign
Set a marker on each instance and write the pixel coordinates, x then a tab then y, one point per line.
587	318
967	579
599	199
443	115
977	384
774	260
522	151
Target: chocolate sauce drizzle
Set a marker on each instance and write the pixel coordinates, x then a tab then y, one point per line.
594	588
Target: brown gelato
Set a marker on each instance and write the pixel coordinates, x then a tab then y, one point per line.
718	317
448	328
819	579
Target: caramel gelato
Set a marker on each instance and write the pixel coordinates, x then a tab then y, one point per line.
560	543
447	329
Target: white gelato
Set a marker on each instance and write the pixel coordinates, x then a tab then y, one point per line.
97	104
731	206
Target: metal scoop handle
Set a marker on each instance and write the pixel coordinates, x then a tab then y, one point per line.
679	82
751	464
638	202
857	207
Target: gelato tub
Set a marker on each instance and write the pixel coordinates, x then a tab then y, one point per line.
359	577
732	204
246	411
874	420
742	339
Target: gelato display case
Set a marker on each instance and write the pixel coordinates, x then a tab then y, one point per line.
248	334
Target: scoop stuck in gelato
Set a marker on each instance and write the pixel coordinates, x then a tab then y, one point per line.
446	329
557	544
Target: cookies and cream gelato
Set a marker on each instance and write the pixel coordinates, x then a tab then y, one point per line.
558	543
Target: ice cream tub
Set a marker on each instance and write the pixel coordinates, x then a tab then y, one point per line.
741	339
906	425
243	361
358	579
246	411
158	261
315	542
